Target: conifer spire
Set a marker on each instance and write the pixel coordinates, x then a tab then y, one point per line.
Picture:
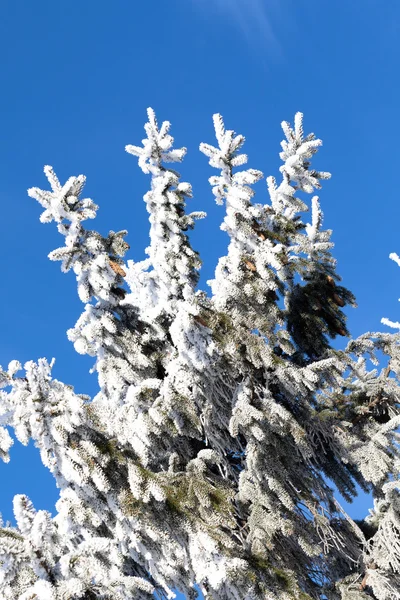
170	273
245	284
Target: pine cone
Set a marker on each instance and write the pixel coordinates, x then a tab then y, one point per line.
120	292
117	268
251	266
200	320
331	281
338	300
341	331
317	305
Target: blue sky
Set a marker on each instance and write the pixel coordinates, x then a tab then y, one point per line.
76	79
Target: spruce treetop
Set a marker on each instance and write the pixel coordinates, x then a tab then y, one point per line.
225	422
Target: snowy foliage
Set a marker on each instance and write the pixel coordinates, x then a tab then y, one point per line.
207	459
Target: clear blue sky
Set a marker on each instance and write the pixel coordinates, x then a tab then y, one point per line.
76	78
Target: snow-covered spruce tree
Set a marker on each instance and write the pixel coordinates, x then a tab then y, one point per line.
207	457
